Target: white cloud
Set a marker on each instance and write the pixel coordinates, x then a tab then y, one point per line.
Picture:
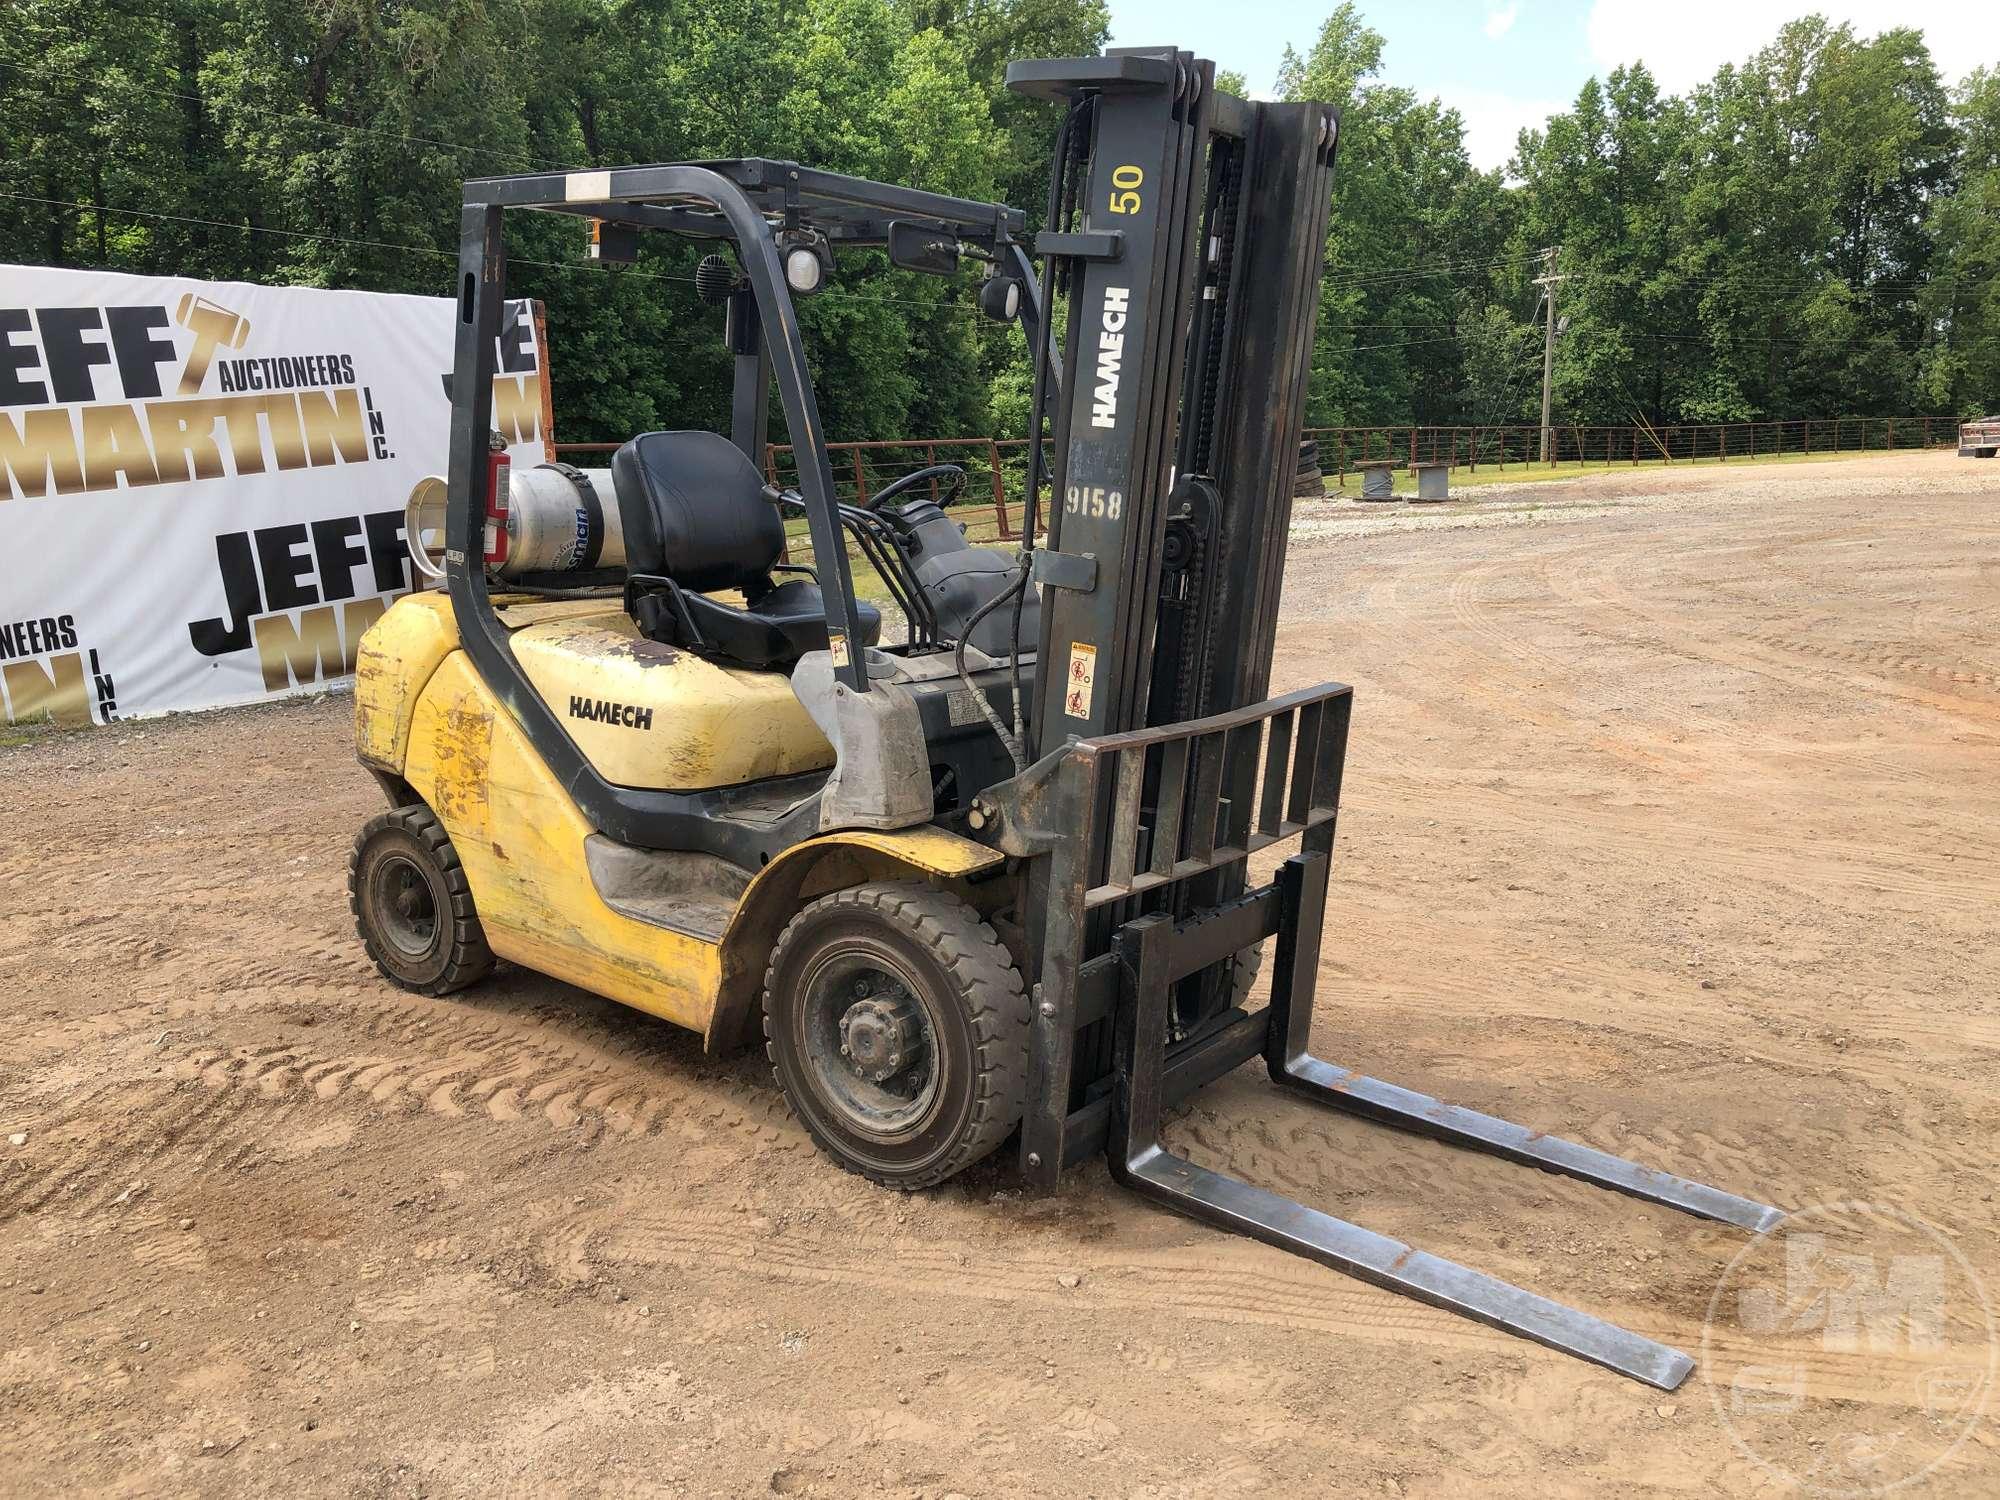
1500	21
1493	120
1684	43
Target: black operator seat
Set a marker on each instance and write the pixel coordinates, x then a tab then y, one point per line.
694	512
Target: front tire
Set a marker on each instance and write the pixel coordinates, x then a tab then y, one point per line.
413	905
897	1027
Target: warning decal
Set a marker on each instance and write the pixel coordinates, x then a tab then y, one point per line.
1082	680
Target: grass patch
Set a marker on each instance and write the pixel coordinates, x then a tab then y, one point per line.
28	731
868	583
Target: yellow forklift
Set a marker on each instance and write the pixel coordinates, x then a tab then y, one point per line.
988	879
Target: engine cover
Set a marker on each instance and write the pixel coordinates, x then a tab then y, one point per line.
650	715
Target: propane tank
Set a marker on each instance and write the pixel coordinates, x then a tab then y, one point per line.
553	518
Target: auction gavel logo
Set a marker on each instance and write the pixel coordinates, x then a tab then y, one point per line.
214	327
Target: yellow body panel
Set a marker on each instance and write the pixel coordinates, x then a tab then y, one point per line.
391	668
933	850
648	715
423	713
520	839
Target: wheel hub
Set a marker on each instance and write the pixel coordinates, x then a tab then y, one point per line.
406	912
881	1034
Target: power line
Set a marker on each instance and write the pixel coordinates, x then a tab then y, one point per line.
328	239
1450	338
1677	280
1716	346
1362	280
958	310
289	117
1670	280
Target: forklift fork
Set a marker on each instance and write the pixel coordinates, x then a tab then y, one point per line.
1299	741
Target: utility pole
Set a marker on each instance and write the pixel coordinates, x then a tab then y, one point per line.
1547	281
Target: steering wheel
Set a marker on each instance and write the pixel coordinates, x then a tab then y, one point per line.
952	475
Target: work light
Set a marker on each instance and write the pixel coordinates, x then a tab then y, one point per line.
1000	298
808	261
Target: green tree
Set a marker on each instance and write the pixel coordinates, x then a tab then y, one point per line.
1416	242
1606	182
1813	231
1961	375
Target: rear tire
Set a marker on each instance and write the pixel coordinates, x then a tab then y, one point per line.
413	905
897	1028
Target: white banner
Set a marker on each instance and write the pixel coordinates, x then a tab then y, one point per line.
204	481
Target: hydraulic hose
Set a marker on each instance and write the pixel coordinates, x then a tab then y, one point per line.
1017	589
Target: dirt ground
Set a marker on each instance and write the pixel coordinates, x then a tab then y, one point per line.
1669	824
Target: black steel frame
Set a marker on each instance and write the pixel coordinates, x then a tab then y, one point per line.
748	203
1295	747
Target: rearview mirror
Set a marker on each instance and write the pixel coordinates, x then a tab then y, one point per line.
923	247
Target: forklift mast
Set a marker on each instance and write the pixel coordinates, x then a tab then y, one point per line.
1185	238
1189	247
1186	231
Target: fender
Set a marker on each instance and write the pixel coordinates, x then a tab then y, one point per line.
826	863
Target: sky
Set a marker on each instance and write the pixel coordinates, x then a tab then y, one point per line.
1504	64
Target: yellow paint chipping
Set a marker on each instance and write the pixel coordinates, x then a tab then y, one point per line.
648	715
520	839
392	666
422	712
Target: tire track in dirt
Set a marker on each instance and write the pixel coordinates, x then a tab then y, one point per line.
1851	872
1603	590
1872	666
1853	866
84	1169
1348	1166
1392	618
1439	654
575	1245
1884	1053
1229	1282
1515	684
1594	585
393	1053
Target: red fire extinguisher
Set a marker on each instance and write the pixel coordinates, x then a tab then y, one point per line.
497	471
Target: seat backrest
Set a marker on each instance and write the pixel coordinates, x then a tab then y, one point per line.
693	510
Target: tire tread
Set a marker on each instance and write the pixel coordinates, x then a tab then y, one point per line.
470	959
983	972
